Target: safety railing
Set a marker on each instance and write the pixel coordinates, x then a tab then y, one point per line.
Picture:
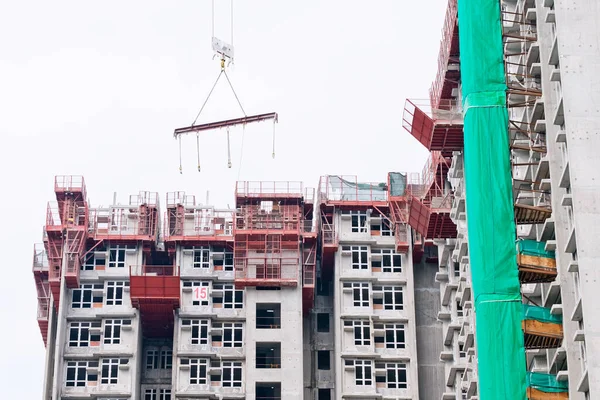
277	189
309	226
329	235
43	308
198	222
280	217
309	195
442	203
153	270
175	199
122	222
401	233
444	54
284	268
308	275
53	215
40	258
430	171
144	198
447	112
348	189
70	183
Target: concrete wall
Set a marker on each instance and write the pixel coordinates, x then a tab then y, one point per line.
428	332
290	336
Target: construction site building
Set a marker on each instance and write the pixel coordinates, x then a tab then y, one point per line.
549	68
285	296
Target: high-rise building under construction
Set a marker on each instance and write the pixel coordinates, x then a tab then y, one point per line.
473	279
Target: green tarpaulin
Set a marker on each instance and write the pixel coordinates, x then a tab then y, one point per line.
397	184
490	213
546	383
533	248
540	314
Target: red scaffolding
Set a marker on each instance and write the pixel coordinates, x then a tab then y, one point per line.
155	291
438	129
195	225
40	274
268	230
66	232
136	221
448	74
346	192
430	213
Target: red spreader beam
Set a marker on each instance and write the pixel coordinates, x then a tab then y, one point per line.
226	123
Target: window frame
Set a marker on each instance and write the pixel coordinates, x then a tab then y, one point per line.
115	292
361	253
198	364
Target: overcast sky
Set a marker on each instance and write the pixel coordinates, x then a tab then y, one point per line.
96	88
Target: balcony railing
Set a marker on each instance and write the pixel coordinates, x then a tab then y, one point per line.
268	189
340	189
70	183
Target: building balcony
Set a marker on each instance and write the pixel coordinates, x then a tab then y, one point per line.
536	265
546	387
541	329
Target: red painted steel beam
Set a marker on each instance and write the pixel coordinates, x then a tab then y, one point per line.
228	122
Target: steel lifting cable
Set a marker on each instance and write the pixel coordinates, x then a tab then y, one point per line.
228	150
197	148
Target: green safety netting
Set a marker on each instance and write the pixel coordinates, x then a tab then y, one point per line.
546	383
533	248
490	211
540	314
397	183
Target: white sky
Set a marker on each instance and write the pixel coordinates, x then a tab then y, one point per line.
96	88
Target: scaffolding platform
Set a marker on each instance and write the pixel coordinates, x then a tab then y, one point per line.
436	129
155	291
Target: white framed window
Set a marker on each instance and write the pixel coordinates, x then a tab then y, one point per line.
228	296
112	330
232	373
199	329
110	371
363	371
199	285
222	258
78	375
360	257
152	359
232	334
394	336
361	330
84	297
390	297
387	259
395	375
360	293
201	257
359	220
116	256
157	394
114	292
166	359
91	262
198	370
80	335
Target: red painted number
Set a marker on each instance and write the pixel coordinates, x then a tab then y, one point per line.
200	293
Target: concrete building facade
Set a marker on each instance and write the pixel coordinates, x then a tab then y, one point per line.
552	126
281	297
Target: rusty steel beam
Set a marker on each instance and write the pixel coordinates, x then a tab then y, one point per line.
225	123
